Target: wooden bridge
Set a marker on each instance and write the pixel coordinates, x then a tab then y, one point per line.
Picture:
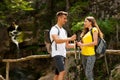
8	61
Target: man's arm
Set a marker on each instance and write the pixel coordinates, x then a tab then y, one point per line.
58	40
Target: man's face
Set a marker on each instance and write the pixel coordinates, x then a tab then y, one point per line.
62	19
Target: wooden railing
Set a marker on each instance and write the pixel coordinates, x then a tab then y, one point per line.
8	61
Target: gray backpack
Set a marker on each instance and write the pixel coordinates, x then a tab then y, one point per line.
48	42
100	48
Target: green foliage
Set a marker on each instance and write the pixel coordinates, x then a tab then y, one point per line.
77	26
13	6
16	5
60	5
107	26
40	53
32	47
78	10
78	7
41	37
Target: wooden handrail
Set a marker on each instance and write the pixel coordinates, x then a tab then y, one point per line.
26	58
116	52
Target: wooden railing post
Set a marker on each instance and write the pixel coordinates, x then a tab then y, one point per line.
7	70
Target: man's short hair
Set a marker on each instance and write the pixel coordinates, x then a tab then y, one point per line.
61	13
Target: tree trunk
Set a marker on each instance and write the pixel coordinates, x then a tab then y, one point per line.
67	25
35	18
67	5
117	36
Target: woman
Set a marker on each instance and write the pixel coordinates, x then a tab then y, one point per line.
87	45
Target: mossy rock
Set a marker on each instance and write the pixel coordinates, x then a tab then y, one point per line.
115	73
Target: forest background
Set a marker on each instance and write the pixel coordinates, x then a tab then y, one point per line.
35	16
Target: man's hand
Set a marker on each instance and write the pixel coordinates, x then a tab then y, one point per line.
73	37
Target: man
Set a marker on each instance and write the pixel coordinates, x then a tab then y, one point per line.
60	42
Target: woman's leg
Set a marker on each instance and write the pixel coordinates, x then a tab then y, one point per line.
84	62
89	67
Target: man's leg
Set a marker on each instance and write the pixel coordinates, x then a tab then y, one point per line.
59	60
55	77
61	75
56	74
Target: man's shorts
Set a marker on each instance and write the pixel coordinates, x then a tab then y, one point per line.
59	64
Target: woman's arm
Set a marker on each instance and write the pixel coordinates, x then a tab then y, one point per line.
93	43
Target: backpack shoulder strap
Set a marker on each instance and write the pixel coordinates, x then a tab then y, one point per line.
58	30
91	33
58	33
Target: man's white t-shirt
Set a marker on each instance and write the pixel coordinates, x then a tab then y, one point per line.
61	48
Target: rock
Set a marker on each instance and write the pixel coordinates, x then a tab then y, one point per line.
49	76
115	73
4	39
1	77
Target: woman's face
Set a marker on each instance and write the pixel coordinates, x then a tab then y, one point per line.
87	23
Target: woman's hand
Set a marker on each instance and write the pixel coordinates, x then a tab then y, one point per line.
80	44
